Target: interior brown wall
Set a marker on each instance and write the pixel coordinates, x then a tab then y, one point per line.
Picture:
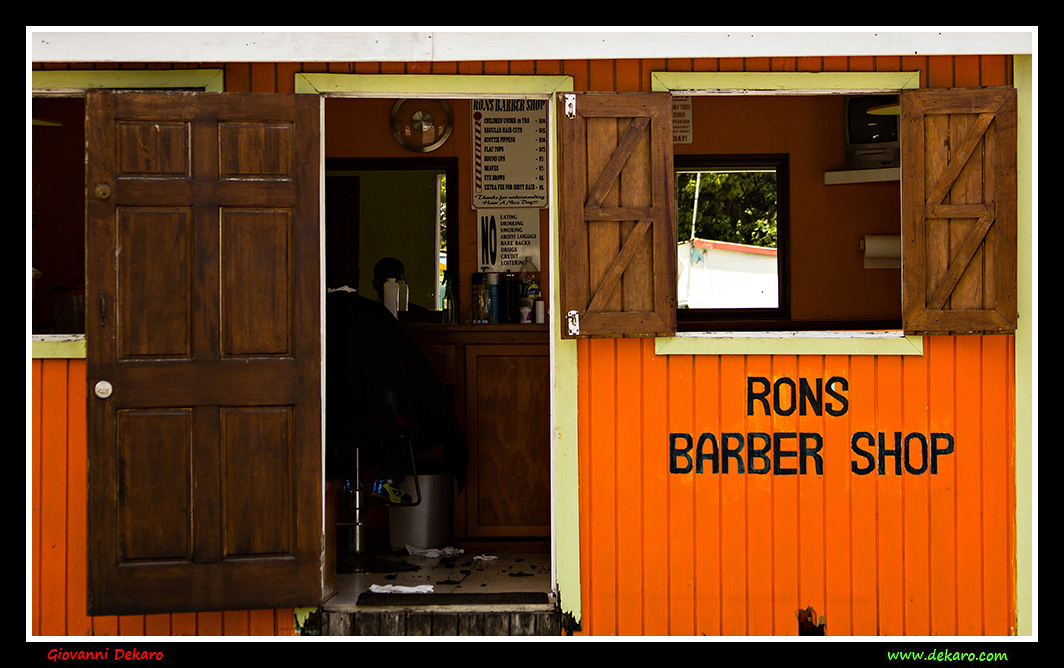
359	128
827	223
57	226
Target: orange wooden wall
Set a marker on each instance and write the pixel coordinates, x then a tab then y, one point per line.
735	554
651	553
58	536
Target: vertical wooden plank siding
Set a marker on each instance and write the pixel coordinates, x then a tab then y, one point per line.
661	555
58	538
739	553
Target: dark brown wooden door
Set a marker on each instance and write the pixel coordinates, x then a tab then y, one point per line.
618	246
959	210
205	478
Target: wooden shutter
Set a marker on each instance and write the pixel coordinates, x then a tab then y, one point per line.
959	210
205	478
618	236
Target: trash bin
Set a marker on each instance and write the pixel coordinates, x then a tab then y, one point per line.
429	524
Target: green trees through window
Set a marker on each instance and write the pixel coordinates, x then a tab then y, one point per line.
731	236
733	206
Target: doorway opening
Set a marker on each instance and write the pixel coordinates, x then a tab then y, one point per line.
384	199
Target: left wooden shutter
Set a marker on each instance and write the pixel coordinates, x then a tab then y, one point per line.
618	250
205	478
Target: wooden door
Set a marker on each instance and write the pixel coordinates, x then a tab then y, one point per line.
204	460
618	233
959	210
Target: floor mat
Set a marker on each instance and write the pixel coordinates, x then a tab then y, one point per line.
515	598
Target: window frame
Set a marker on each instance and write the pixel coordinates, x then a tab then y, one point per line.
787	341
744	319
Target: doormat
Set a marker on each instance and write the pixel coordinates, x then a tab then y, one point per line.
370	599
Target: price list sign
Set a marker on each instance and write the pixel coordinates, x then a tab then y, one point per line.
509	153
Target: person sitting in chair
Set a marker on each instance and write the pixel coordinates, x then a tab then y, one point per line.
380	390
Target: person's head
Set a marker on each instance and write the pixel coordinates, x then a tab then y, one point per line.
386	267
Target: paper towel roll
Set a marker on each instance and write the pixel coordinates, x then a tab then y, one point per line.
882	251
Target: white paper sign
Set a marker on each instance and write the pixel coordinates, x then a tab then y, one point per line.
509	153
682	122
505	237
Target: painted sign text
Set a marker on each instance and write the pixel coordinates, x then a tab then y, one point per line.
801	453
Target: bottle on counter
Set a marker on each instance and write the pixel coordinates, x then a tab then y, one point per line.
493	298
391	296
480	298
404	295
450	308
509	297
530	292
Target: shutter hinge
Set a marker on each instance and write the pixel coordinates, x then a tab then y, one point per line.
570	105
574	323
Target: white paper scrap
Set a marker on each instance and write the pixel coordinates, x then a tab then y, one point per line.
400	589
434	552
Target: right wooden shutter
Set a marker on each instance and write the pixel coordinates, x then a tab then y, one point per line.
959	251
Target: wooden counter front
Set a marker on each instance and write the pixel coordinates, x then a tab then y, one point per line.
500	379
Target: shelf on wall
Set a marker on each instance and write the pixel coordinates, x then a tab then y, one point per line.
862	176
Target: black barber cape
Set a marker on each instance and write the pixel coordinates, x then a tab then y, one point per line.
373	369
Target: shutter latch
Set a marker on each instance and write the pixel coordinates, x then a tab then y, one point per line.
570	105
574	323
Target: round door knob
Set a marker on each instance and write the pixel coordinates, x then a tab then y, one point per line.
103	389
102	191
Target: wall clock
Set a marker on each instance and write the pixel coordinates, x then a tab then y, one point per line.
421	125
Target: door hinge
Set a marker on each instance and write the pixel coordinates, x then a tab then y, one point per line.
570	105
574	323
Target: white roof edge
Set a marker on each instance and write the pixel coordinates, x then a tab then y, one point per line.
173	44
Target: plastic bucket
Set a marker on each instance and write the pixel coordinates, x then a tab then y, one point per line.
428	524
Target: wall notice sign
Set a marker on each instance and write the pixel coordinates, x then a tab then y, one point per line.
682	123
509	153
505	237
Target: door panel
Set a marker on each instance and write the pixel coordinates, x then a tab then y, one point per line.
202	243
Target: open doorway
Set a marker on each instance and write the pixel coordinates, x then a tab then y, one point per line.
383	199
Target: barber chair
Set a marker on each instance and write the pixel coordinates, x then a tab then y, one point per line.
376	427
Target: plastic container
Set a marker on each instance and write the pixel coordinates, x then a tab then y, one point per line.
404	295
391	296
530	292
429	524
480	299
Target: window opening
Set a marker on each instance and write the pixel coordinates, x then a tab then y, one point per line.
731	227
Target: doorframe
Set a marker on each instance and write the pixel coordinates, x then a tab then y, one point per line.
565	483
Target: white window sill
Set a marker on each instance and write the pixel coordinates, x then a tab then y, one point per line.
855	342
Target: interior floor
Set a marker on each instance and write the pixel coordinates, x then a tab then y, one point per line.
465	573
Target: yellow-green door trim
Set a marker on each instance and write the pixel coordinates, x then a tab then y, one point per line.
565	484
78	81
